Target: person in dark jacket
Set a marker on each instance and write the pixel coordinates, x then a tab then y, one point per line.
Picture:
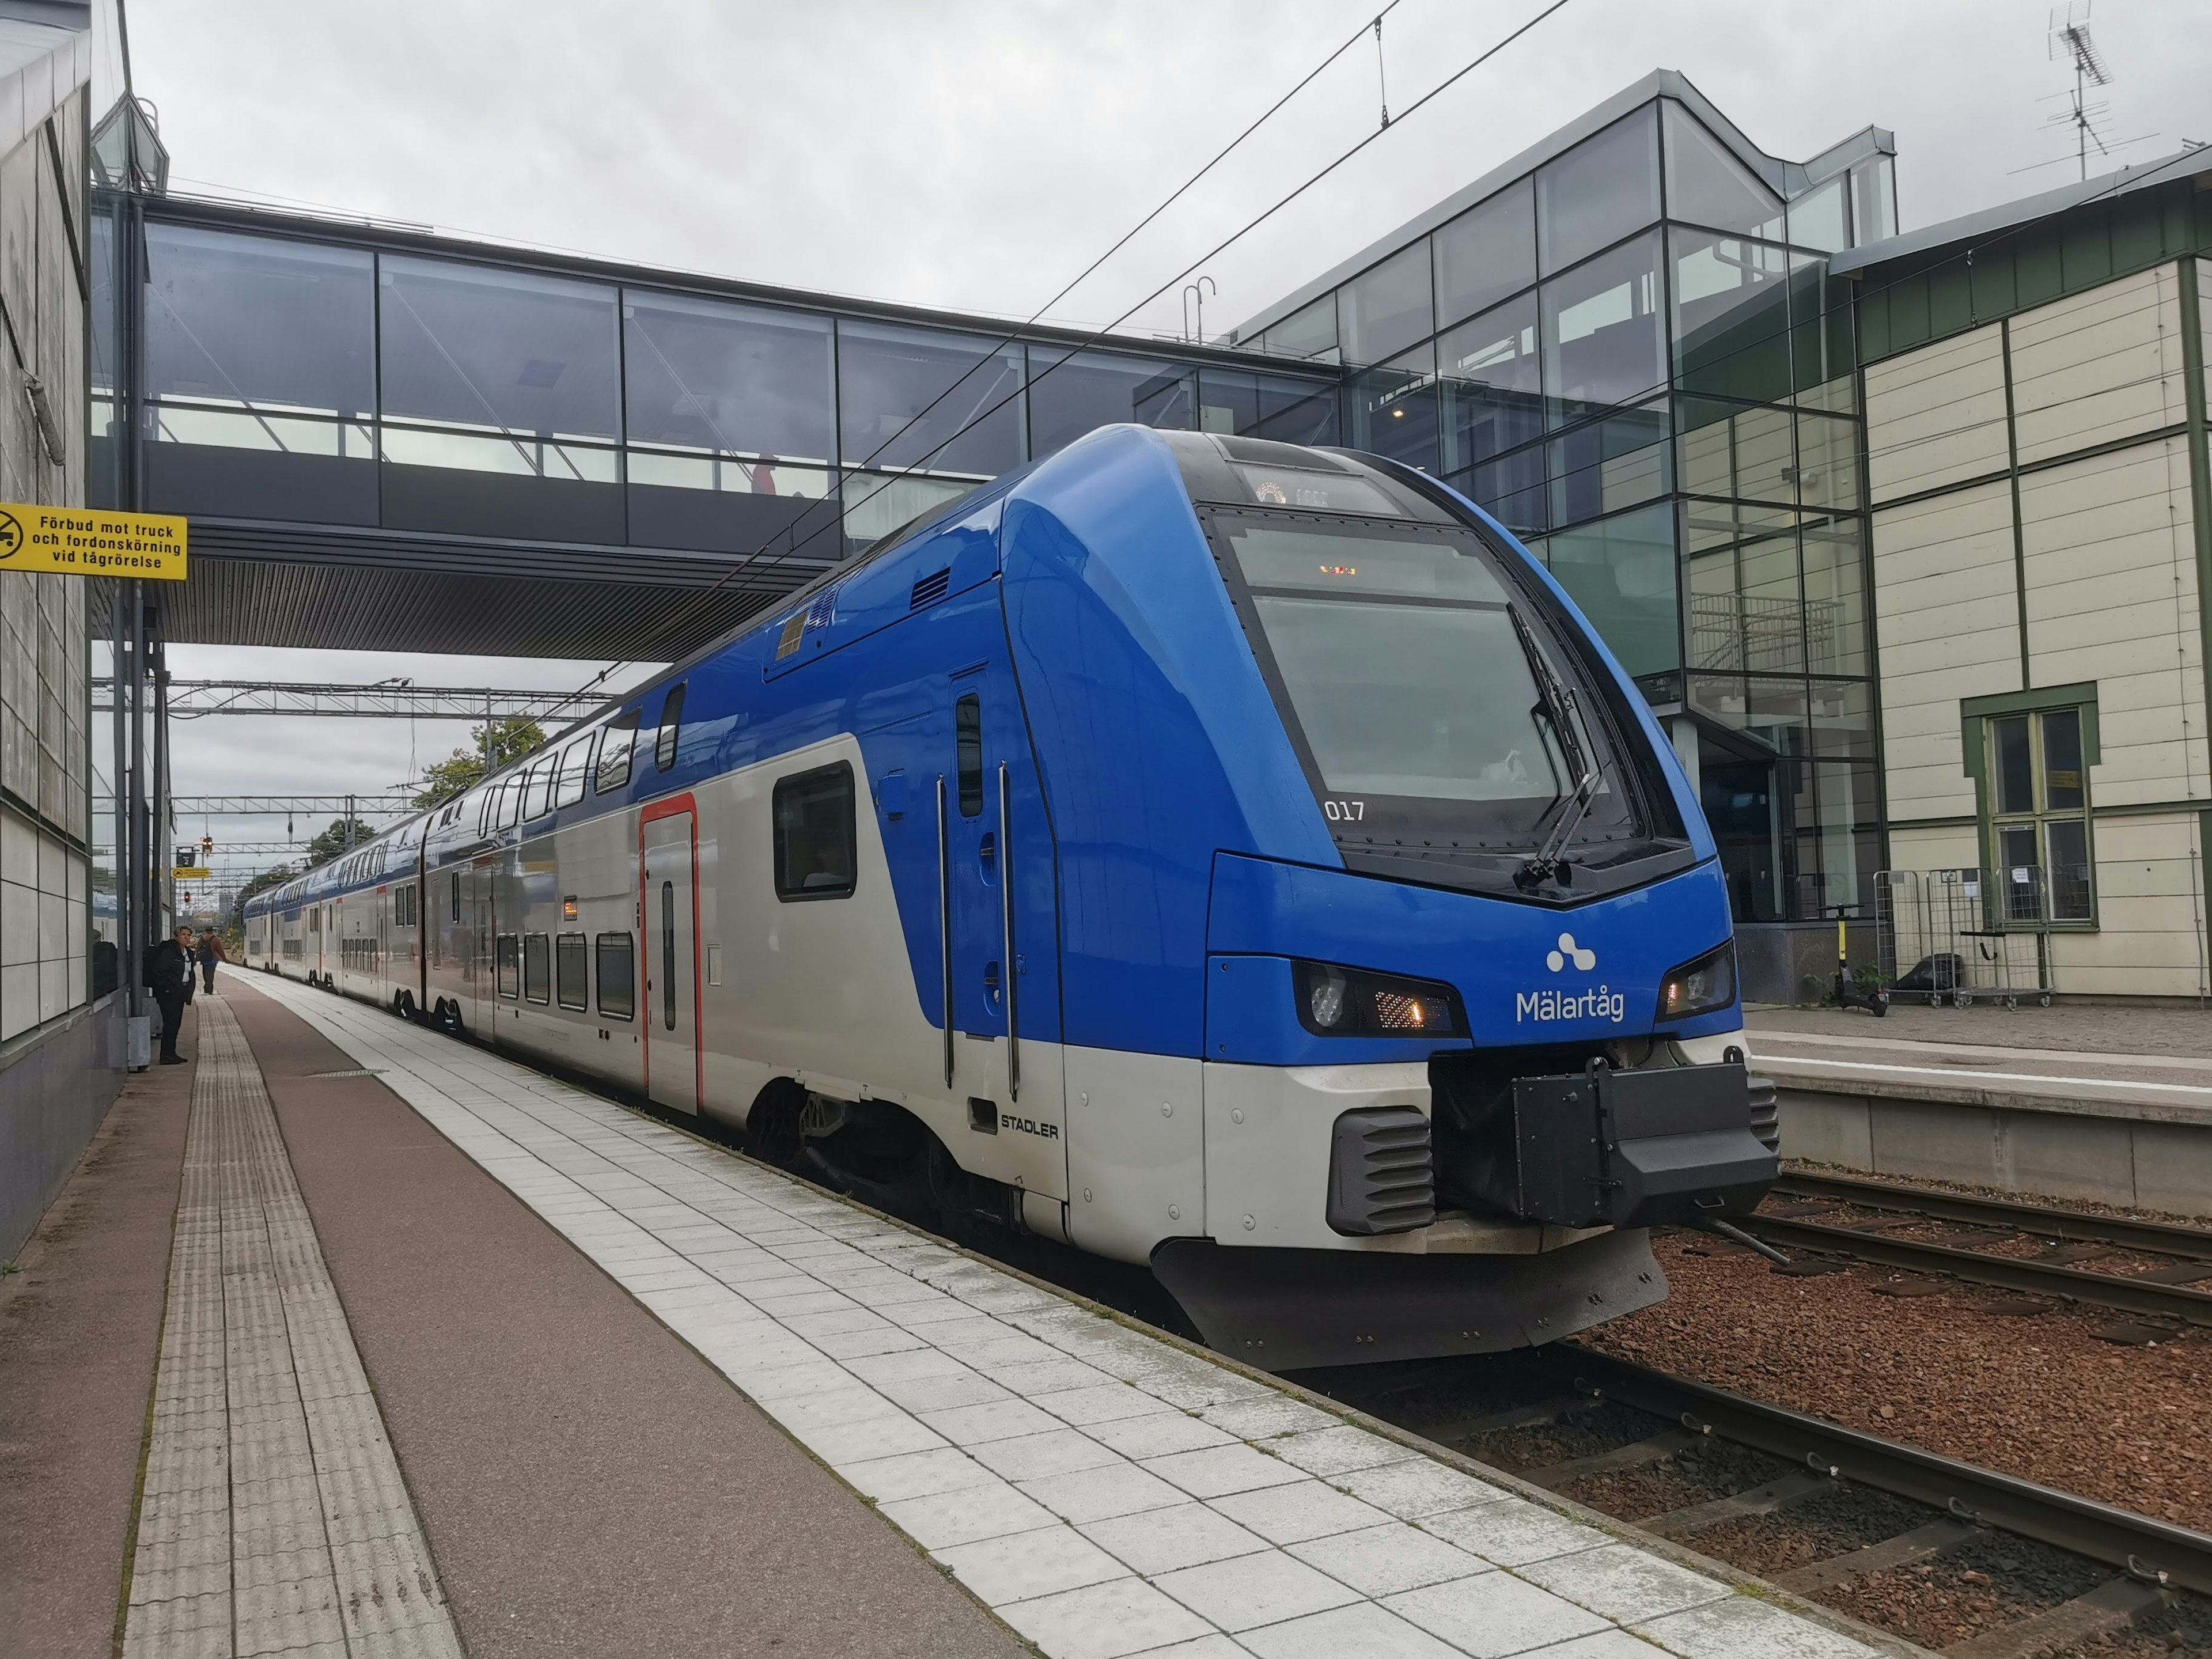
210	952
169	976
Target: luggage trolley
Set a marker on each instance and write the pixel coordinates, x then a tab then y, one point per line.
1965	935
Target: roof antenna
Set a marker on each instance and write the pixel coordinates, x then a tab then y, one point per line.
2070	43
1380	86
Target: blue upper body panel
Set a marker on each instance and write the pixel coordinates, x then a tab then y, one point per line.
1165	837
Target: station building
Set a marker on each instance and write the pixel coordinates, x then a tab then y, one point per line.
1901	535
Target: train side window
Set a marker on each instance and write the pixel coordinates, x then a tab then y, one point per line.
540	800
569	972
575	760
614	752
968	751
537	968
618	955
510	966
671	722
815	856
510	801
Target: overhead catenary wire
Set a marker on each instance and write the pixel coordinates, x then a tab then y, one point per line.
1014	336
704	595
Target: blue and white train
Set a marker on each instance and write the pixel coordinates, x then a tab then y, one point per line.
1210	853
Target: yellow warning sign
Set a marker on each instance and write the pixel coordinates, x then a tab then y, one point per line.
192	872
85	541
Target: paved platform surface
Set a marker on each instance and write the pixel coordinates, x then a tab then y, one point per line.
2164	1033
1106	1493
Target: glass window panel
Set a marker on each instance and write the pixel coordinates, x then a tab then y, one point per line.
1073	393
1492	384
1293	413
730	476
1601	340
1621	572
1599	191
1707	185
1242	401
570	974
1820	347
518	454
1745	610
1775	714
737	378
2015	767
2066	869
575	761
1383	311
499	349
1394	408
1842	720
617	965
1309	331
1487	253
254	322
814	837
1737	449
1511	490
2061	760
876	505
1835	597
1874	201
1721	698
1820	217
537	968
888	375
1827	462
1605	465
1731	315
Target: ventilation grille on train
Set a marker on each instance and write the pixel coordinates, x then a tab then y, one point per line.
930	589
1381	1174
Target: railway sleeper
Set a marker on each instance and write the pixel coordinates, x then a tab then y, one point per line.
1635	1456
2114	1604
1792	1489
1924	1543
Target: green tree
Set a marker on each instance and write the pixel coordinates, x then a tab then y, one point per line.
334	841
511	740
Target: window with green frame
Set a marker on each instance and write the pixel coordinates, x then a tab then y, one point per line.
2038	807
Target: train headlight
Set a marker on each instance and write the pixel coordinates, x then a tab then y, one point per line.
1701	987
1335	1001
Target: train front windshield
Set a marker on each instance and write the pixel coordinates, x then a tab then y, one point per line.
1433	704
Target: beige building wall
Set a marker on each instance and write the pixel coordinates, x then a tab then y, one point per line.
2054	548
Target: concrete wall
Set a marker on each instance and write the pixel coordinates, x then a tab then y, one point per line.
54	1089
2033	527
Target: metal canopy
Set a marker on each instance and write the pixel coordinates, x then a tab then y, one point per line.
196	699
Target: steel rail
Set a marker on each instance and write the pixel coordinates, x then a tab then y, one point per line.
2162	1238
2153	1550
2172	1302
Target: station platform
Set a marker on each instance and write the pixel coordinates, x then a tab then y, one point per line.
2112	1105
447	1356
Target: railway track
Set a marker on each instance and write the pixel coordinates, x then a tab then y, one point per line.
2174	1293
1738	1464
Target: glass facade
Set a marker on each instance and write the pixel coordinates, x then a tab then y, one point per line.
310	380
1633	356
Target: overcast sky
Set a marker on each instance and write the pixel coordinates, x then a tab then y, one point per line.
977	156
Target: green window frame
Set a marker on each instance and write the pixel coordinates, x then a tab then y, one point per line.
2029	754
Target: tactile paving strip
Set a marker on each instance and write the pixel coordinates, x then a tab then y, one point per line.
273	1519
1108	1494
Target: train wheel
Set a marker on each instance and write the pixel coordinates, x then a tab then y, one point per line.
772	1126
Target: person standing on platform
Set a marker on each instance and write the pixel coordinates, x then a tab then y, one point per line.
210	953
169	976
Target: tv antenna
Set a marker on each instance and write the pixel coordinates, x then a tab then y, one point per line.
2071	43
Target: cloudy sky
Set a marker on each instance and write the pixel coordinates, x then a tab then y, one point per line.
976	156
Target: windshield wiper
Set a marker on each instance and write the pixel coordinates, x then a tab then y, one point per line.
1557	707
